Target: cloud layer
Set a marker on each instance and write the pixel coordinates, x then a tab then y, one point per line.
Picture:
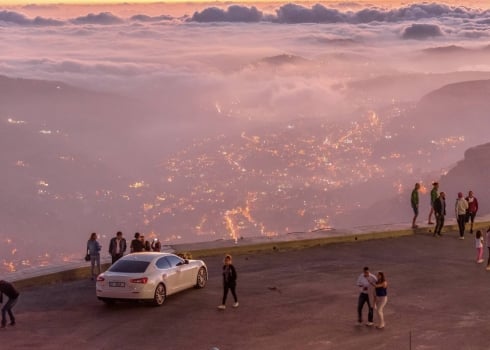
287	13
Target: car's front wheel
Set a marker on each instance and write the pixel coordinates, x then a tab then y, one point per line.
160	295
202	278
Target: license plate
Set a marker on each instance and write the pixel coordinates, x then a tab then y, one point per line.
116	284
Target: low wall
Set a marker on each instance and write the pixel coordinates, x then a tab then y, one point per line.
83	272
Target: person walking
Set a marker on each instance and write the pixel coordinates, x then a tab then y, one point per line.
93	249
229	282
472	209
433	196
381	298
9	290
414	201
479	246
440	213
117	247
460	211
366	283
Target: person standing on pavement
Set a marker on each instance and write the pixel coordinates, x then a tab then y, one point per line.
136	244
479	246
414	201
433	196
440	213
117	247
156	246
381	298
366	283
229	282
460	210
472	208
9	290
93	249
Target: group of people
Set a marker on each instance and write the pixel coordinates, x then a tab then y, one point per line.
140	244
465	209
374	293
117	248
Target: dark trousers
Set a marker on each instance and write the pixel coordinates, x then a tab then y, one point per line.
439	224
7	308
364	298
116	257
461	224
229	287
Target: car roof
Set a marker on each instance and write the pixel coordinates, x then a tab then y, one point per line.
145	256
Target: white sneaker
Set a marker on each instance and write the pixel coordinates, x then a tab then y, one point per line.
236	304
487	268
221	307
480	261
461	237
369	324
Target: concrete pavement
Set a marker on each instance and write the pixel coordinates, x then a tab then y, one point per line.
289	299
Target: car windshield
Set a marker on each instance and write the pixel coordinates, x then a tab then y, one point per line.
129	266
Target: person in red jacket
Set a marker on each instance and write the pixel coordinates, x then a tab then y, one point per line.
472	209
9	290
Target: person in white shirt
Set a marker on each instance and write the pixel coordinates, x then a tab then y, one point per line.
366	283
117	247
460	210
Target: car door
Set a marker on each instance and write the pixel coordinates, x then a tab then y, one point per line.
177	266
170	274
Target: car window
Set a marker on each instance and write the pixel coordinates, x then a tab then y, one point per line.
163	263
129	266
174	260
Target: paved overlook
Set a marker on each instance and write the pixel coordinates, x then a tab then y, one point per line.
289	299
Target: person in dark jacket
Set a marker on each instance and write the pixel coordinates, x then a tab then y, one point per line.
136	244
229	282
9	290
440	213
117	247
472	209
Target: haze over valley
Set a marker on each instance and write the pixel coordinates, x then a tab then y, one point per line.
233	121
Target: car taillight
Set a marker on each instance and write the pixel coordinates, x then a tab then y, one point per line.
100	279
142	280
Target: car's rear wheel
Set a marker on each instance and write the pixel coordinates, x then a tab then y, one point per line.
160	295
202	278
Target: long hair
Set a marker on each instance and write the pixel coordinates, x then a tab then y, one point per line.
382	277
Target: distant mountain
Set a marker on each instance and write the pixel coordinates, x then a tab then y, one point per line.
460	109
471	173
445	50
408	86
281	60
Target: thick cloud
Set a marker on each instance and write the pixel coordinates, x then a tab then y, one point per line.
103	18
421	31
234	13
11	17
292	13
318	13
145	18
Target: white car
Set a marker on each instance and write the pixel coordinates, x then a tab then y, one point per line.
149	277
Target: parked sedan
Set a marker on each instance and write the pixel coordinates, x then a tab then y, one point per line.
150	277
